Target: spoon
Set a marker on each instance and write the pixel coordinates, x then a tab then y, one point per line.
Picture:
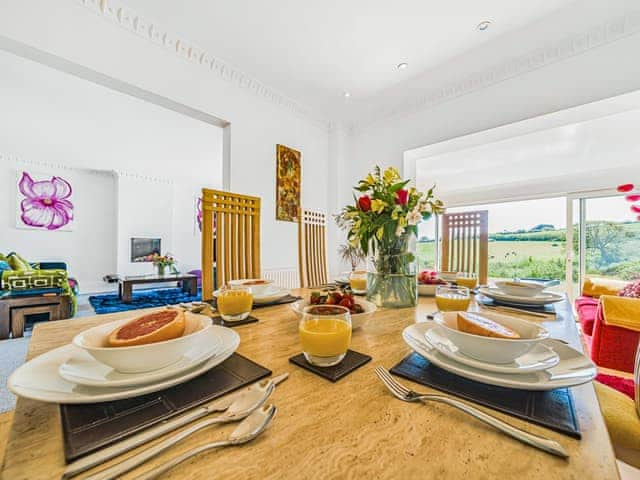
249	428
124	446
238	410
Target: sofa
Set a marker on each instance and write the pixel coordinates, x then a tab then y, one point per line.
33	289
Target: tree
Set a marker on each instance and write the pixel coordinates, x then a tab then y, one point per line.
605	240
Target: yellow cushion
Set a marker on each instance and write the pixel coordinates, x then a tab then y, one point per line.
622	422
595	286
621	311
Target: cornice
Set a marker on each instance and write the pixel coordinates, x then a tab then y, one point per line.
570	46
118	13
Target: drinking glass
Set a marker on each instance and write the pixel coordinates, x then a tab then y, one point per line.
235	304
451	299
325	334
358	281
467	279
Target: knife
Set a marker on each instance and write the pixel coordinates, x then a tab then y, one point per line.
101	456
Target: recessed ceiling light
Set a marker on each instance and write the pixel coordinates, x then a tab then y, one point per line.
346	94
402	66
484	25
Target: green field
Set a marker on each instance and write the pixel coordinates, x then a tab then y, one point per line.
612	250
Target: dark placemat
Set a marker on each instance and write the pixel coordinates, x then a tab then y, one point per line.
89	427
349	363
550	308
553	409
218	320
280	301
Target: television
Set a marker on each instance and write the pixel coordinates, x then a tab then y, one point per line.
143	249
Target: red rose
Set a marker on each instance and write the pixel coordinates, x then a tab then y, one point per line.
627	187
364	202
402	197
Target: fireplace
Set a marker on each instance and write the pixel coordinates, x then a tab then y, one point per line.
143	249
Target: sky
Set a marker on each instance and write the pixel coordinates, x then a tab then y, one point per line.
527	214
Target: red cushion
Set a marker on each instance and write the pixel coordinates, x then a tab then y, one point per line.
586	308
624	385
613	347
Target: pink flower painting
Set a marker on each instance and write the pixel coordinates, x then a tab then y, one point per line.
199	213
46	203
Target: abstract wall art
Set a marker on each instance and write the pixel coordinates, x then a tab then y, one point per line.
44	202
288	174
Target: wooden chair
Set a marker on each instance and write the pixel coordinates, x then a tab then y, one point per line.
312	248
465	243
235	238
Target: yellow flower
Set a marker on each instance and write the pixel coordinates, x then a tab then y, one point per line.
377	206
370	180
354	241
380	233
391	175
402	221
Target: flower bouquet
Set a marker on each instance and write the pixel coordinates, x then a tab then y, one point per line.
161	262
383	222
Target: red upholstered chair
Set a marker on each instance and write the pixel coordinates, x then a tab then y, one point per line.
611	346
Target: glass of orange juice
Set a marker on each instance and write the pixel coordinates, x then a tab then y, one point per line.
451	299
235	304
358	281
467	279
325	334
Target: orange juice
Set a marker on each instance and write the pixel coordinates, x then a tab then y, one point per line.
358	284
235	302
325	337
452	302
469	282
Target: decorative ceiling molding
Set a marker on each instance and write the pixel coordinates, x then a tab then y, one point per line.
125	17
570	46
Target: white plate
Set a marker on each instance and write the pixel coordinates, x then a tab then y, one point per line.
38	379
539	357
272	294
83	369
539	300
573	369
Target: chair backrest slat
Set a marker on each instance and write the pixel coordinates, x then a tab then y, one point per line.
312	245
465	243
231	222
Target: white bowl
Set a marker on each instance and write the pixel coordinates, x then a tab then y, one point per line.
257	290
357	319
490	349
520	288
141	358
448	276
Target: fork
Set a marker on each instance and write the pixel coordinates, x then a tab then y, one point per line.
407	395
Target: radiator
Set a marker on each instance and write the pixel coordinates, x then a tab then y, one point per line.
283	277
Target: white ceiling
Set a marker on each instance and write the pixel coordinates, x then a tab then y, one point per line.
314	50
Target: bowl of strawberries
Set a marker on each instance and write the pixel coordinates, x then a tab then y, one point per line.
360	309
428	280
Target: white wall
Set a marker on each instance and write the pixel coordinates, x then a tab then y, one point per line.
153	160
71	31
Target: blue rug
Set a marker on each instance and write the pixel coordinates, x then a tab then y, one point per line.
110	302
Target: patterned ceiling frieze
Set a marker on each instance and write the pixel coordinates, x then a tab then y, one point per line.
125	17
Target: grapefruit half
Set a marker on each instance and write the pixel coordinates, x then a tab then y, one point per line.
153	327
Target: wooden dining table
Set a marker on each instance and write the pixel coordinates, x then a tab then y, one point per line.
353	428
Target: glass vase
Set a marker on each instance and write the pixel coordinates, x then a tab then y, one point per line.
161	270
391	273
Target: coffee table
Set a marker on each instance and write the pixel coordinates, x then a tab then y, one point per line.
126	283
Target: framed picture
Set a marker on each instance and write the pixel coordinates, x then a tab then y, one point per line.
44	201
288	175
